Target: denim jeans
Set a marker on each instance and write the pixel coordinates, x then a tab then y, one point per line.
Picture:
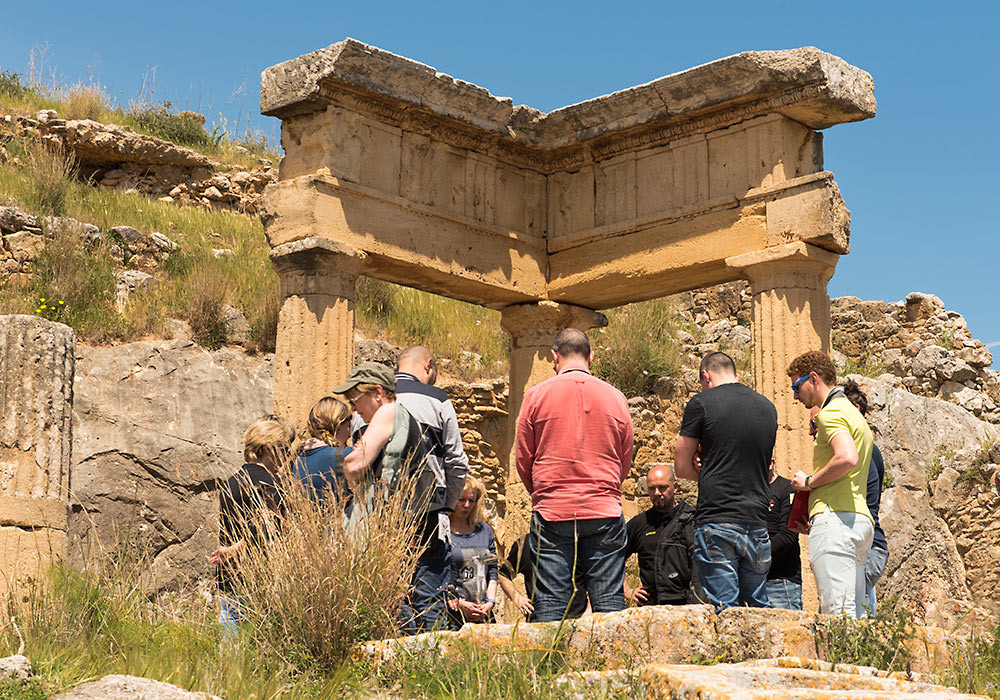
563	549
425	608
230	614
839	541
732	562
784	593
874	568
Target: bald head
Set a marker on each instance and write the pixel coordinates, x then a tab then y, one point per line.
661	485
418	361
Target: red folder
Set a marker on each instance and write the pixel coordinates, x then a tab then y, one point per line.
800	510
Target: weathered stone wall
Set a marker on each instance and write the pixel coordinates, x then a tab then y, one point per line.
927	347
157	425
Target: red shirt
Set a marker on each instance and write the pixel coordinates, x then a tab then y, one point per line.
574	446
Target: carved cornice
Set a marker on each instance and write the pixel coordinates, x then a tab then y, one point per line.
515	150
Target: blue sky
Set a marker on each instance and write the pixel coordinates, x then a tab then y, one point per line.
919	178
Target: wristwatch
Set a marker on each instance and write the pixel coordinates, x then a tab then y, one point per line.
807	483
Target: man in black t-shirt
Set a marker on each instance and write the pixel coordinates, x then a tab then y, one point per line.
784	579
734	429
663	538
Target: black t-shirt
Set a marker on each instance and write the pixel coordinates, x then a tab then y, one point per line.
736	427
785	560
664	549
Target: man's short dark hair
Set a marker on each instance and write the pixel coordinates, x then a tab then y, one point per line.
572	341
717	362
856	396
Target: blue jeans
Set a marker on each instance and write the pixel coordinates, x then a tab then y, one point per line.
564	549
874	568
784	593
733	561
426	608
230	614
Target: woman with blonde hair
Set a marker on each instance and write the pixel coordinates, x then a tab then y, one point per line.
266	448
320	464
473	558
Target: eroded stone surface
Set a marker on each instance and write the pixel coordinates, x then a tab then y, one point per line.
130	688
838	92
660	634
785	678
157	426
36	438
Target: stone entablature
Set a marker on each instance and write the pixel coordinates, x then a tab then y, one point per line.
560	205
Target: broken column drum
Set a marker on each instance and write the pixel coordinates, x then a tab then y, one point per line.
702	177
36	404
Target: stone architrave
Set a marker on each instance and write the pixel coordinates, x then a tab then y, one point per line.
532	329
706	176
315	347
36	400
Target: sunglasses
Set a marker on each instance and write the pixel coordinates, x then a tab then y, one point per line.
795	386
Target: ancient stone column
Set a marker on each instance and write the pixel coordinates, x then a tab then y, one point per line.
36	407
532	328
791	314
315	344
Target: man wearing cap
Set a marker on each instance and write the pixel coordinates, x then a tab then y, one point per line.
391	449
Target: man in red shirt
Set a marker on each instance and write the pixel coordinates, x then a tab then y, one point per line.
574	449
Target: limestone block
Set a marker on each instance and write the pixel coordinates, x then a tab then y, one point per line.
786	678
25	554
764	635
96	144
16	666
817	89
130	688
13	219
23	245
660	633
129	283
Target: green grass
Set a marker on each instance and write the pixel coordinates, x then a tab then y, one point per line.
882	641
193	283
865	366
975	664
638	345
406	316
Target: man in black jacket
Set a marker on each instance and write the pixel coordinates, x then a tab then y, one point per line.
663	537
784	579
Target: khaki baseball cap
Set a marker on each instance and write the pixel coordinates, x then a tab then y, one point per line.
368	373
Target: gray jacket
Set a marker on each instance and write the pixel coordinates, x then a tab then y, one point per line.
432	409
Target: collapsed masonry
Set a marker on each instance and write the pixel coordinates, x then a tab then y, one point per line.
711	175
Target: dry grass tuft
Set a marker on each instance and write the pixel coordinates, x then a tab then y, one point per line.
312	588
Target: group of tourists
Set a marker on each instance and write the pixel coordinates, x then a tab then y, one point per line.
395	432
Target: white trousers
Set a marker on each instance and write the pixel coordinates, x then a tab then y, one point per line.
838	547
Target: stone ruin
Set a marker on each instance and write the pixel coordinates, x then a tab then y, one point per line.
395	171
711	175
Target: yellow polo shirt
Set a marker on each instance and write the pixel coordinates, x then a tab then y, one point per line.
848	493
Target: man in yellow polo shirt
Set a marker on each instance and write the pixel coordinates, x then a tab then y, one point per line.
840	526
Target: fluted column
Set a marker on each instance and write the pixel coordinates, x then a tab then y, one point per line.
791	314
315	345
37	360
532	328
